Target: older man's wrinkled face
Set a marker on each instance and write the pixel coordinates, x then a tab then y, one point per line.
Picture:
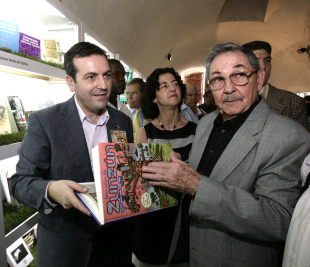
233	100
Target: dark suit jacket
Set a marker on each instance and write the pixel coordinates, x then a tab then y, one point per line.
55	148
288	104
243	210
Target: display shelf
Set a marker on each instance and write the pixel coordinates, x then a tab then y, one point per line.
7	240
24	66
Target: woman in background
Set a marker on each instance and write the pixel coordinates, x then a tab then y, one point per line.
161	103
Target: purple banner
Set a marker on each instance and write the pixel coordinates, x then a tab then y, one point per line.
29	45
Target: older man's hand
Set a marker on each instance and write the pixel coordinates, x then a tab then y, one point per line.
174	174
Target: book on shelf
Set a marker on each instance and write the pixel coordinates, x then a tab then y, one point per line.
118	190
18	254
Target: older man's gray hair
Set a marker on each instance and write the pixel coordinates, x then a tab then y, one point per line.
230	47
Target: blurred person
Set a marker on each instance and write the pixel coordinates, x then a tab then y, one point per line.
284	102
297	244
118	86
208	106
161	103
134	92
189	109
243	176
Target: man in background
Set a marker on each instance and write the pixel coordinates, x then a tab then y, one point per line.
118	86
284	102
55	157
208	105
134	92
189	109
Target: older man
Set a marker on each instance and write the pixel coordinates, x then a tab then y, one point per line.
284	102
189	109
134	92
243	175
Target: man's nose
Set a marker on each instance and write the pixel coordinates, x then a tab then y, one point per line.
229	87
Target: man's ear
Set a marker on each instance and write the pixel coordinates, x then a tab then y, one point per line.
260	79
155	100
70	82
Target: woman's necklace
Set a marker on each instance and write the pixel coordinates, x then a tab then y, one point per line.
163	127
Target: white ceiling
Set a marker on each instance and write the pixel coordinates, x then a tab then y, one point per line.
144	31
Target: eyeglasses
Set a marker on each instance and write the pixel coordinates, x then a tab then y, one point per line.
131	93
237	78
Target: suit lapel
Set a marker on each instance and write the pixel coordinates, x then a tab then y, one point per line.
238	148
203	131
73	132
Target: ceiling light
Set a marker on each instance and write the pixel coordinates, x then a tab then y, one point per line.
301	50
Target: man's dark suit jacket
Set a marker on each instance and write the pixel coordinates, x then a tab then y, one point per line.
55	148
288	104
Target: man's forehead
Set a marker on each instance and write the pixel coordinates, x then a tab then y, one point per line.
133	87
229	59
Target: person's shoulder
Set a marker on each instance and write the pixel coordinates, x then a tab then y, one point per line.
52	110
285	93
117	114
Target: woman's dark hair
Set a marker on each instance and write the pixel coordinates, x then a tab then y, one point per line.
150	109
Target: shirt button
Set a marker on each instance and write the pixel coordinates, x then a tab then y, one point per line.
223	131
303	227
211	151
294	262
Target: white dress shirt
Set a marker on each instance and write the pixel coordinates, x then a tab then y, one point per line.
121	107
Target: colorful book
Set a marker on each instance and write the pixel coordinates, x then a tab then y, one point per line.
119	191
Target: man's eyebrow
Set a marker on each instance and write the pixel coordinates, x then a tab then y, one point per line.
239	66
216	72
90	73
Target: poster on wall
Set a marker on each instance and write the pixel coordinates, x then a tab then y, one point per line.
18	113
50	50
5	127
29	45
9	36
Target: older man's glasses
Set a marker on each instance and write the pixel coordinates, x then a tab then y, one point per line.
237	78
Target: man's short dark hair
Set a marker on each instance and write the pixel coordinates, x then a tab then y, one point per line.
142	84
113	61
79	50
206	93
258	45
307	98
230	47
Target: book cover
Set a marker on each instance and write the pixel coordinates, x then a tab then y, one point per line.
29	45
121	191
18	112
51	51
9	36
5	127
18	254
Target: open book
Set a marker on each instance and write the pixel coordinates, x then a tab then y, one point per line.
119	191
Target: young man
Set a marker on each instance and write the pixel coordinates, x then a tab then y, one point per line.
284	102
55	156
118	86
